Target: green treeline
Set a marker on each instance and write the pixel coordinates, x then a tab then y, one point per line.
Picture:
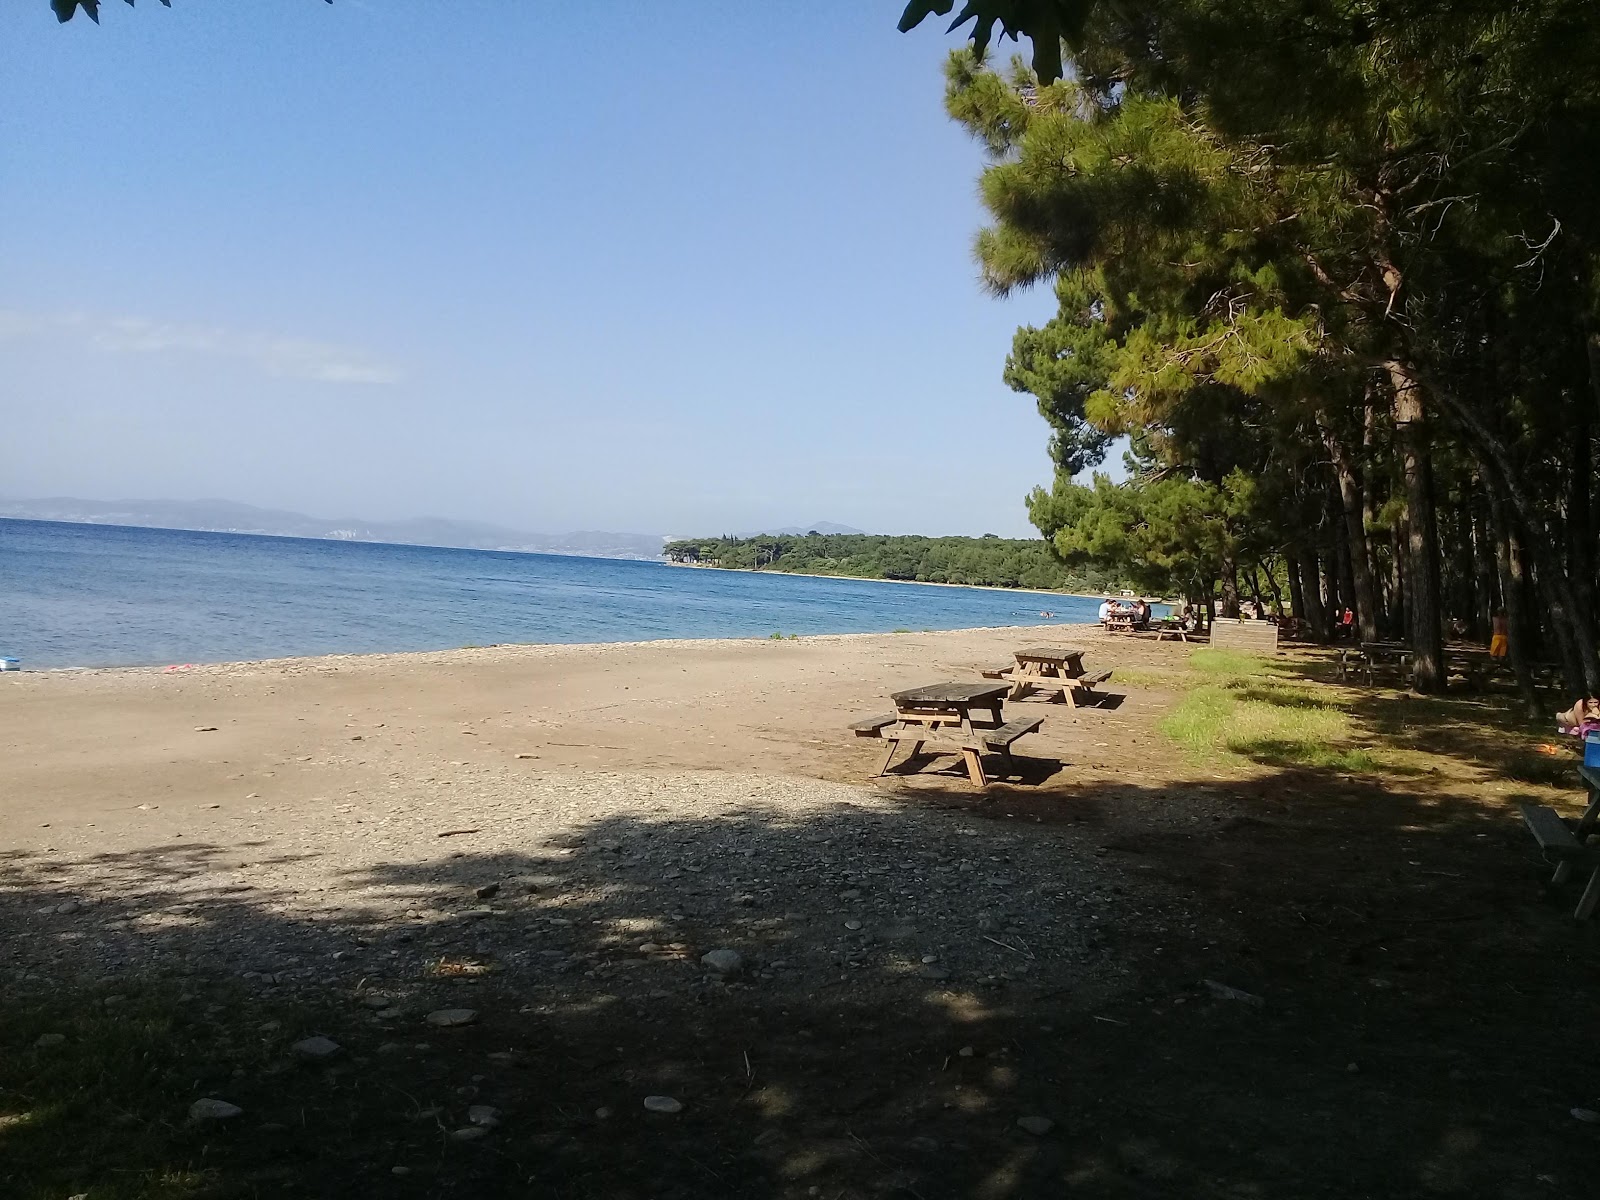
982	562
1333	269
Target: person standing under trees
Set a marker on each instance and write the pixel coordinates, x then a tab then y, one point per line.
1500	638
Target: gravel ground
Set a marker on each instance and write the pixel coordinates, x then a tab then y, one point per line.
536	880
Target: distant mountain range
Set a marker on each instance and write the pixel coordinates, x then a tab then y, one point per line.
801	530
227	516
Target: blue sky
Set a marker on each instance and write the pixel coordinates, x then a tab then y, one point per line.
667	268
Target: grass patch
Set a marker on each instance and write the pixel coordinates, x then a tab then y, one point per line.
1228	664
105	1110
1138	677
1277	724
101	1106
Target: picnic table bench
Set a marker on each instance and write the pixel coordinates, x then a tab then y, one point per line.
1372	655
941	718
1477	666
1050	669
1571	847
1473	663
1173	628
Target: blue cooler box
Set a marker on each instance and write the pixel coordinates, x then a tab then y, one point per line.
1591	750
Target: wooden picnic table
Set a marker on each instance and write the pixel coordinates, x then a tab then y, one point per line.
1570	847
1372	655
949	718
1473	663
1049	669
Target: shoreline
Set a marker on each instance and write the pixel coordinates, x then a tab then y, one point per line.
976	587
141	752
502	651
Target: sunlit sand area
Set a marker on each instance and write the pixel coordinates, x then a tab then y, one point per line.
1180	934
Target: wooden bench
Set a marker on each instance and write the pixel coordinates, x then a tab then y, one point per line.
1084	684
1558	841
1003	671
999	740
873	726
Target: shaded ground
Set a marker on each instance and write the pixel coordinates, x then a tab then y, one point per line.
1410	1025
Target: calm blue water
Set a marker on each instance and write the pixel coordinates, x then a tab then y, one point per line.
106	595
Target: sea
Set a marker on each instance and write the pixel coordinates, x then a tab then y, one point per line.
76	595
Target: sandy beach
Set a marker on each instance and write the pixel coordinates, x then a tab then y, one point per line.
667	870
87	748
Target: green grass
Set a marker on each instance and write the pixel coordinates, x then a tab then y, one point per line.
1230	664
1248	707
105	1111
1279	725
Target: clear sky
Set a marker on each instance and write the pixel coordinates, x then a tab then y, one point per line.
677	268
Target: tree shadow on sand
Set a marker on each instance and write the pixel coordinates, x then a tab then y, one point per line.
918	973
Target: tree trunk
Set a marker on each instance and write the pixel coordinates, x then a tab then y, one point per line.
1495	457
1255	590
1397	579
1272	586
1580	530
1592	344
1230	586
1508	562
1369	511
1316	613
1297	596
1352	507
1484	571
1422	542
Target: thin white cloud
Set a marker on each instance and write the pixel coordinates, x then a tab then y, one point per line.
285	357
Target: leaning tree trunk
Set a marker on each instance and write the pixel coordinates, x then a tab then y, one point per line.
1423	622
1508	562
1495	457
1277	592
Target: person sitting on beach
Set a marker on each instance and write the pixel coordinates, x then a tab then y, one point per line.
1582	718
1105	610
1141	614
1500	639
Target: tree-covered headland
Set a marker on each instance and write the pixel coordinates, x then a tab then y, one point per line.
982	562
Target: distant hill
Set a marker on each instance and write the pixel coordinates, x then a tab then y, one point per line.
801	530
228	516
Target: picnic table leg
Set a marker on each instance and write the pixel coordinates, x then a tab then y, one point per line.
971	756
1585	829
894	745
975	768
1591	816
1590	898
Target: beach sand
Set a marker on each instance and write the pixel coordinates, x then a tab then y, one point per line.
1120	978
90	747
